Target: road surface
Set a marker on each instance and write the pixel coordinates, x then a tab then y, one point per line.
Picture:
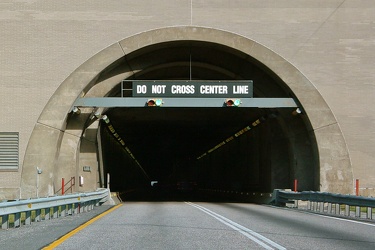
200	225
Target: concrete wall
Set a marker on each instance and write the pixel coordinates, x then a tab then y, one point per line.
330	42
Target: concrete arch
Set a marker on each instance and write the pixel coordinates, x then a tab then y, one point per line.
60	148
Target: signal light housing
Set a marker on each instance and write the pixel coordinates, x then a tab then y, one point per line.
154	102
232	102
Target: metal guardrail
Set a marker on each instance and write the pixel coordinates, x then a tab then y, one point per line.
50	207
336	204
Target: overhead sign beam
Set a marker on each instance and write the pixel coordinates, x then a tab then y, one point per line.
112	102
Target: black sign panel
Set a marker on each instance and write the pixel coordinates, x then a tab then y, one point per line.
201	89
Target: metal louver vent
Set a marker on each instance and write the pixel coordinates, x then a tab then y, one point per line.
9	144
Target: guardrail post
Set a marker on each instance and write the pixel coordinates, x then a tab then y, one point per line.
337	209
347	210
17	219
28	218
321	207
5	221
55	212
313	205
47	213
358	212
369	213
329	208
296	203
69	210
37	215
63	211
76	208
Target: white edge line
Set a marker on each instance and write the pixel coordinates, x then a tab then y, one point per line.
245	231
343	219
232	226
274	244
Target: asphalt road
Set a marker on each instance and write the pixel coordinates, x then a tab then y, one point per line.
185	225
202	225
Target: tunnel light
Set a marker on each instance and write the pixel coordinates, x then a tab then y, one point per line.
154	183
105	119
297	111
233	137
98	114
232	102
76	110
154	102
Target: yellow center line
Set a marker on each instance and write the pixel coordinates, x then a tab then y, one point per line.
71	233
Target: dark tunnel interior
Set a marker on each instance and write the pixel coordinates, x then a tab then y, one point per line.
182	148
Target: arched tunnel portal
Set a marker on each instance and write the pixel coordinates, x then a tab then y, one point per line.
176	146
183	146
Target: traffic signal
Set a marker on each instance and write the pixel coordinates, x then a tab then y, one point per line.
232	102
154	102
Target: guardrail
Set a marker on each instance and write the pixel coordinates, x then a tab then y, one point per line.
336	204
34	210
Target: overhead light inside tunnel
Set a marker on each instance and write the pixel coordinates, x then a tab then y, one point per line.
76	110
232	102
238	134
122	143
297	111
154	102
97	114
105	119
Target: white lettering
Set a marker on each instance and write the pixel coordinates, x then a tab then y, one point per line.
141	89
244	89
214	89
182	89
158	89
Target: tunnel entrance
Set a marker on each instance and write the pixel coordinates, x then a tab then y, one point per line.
170	145
183	151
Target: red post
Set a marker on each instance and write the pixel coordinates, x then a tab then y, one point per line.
62	186
295	185
357	187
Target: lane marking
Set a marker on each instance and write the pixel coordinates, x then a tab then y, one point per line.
347	220
250	234
71	233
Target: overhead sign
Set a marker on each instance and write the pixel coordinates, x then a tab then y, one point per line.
201	89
